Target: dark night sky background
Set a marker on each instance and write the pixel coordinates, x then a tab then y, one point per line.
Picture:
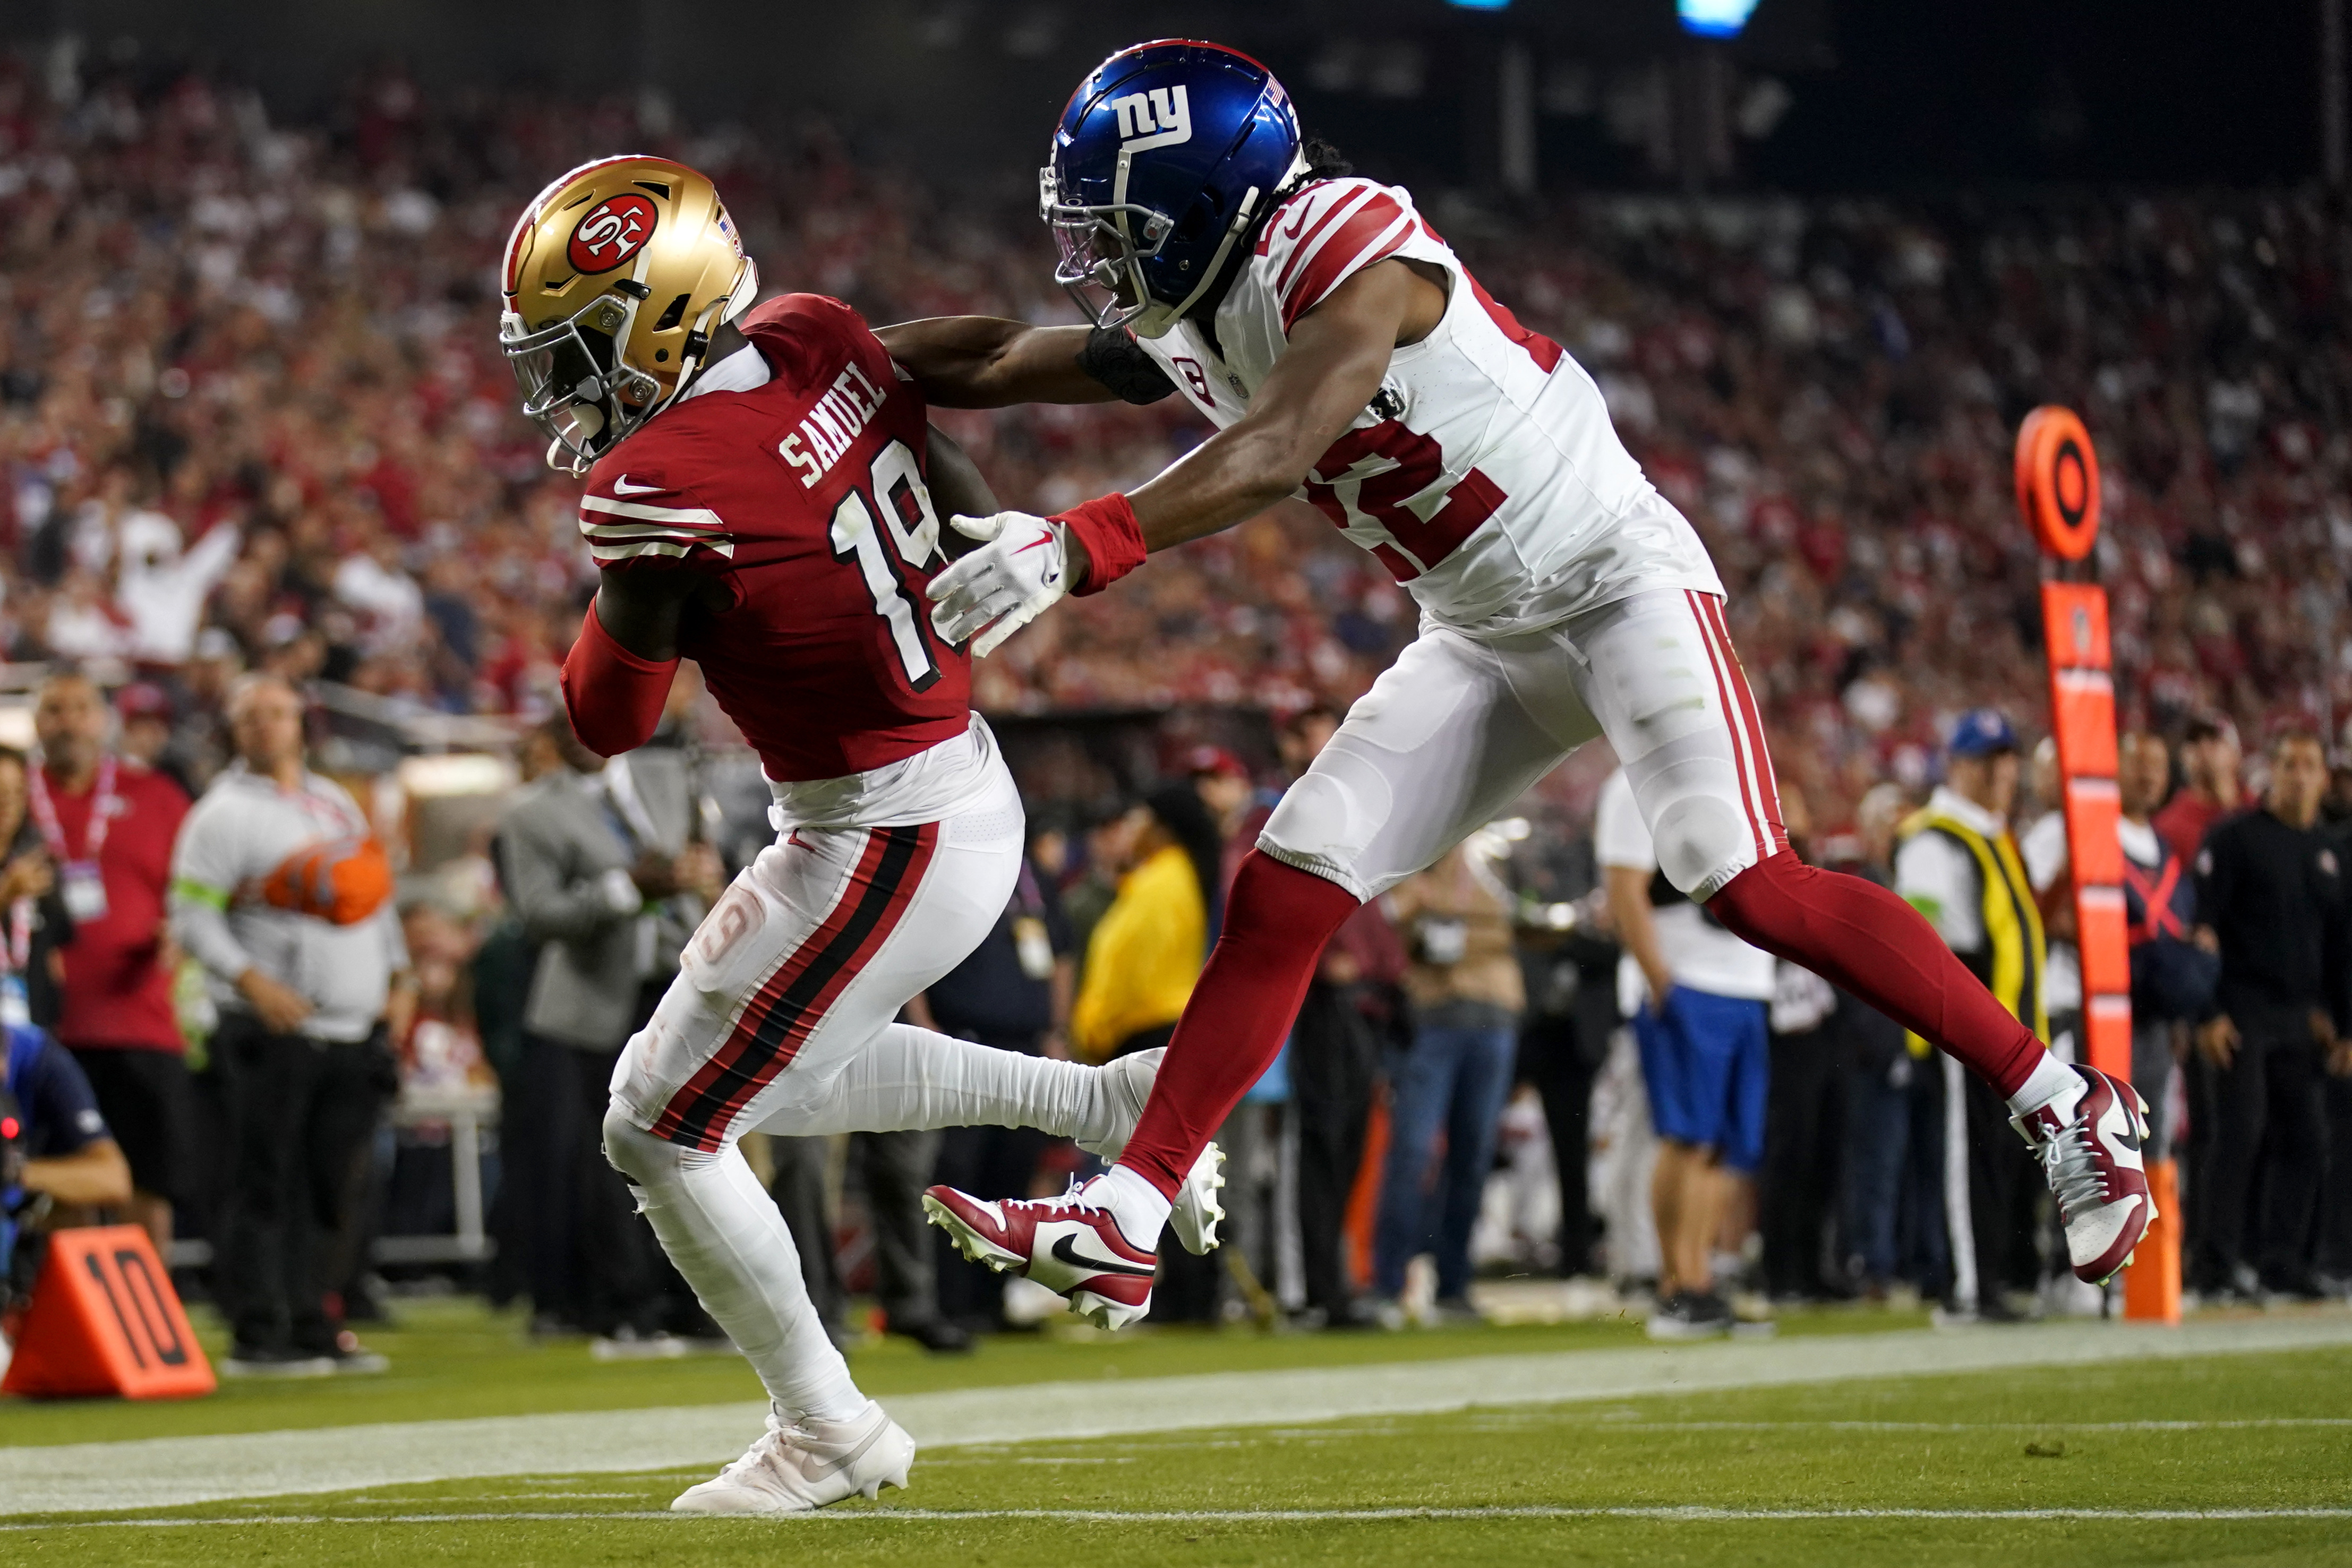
1888	94
2057	89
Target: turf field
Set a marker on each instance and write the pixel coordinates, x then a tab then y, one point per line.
2219	1458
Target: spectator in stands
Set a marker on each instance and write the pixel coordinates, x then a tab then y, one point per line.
108	826
33	924
592	854
1012	993
2270	884
1891	1132
1449	1089
2210	761
144	710
279	892
1958	864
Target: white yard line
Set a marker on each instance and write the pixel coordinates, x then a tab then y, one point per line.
172	1472
886	1515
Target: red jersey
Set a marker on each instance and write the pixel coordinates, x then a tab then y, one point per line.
2185	821
117	993
806	497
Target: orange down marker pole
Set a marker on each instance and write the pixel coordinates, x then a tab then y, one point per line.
2058	493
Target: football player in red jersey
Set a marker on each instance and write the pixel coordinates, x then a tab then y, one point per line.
1346	355
770	514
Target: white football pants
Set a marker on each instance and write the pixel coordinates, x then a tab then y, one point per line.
1459	727
782	1019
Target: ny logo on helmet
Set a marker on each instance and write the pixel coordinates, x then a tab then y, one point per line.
1161	118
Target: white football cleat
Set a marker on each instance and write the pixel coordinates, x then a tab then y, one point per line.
1197	1211
2092	1161
801	1466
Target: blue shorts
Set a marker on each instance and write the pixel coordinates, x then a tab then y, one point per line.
1705	1058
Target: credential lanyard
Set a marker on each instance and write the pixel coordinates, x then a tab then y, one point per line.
102	805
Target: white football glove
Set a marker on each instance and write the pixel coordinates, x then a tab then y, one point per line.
999	588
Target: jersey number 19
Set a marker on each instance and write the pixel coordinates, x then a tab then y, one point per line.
904	505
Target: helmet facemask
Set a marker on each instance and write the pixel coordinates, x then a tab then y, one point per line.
574	387
1103	248
1100	251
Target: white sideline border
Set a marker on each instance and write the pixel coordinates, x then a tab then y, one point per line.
172	1472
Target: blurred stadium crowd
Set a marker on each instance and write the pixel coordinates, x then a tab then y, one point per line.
253	417
250	383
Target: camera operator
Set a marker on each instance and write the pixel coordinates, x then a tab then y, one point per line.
54	1144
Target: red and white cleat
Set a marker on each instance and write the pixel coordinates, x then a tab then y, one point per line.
2092	1161
1075	1249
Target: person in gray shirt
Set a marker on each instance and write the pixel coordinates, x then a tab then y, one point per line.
305	991
596	863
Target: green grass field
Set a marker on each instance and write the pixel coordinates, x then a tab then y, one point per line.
1972	1468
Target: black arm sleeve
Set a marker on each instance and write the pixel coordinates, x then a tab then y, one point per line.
1113	356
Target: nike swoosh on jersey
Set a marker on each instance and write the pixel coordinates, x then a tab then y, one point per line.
1065	1250
621	486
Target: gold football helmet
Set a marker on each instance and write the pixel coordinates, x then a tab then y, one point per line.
616	277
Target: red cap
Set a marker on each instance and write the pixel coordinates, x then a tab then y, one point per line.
142	699
1214	759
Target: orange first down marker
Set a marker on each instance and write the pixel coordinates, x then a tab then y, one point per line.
105	1320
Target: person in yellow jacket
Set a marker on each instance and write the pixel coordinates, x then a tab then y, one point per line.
1957	864
1148	949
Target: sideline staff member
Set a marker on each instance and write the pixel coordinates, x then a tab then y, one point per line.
108	824
303	987
2270	884
1958	865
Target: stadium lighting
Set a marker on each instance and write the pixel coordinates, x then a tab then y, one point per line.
1714	18
1479	4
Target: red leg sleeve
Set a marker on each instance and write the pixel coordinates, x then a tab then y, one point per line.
1864	938
1278	919
614	697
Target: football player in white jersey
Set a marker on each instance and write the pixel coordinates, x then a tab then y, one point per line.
1346	355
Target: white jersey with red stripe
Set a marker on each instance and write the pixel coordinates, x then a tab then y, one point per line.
1485	476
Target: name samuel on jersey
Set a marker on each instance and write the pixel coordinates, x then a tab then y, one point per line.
832	425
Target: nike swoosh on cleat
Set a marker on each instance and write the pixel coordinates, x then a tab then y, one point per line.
621	486
835	1467
1065	1250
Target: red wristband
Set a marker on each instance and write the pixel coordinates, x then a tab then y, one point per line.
614	697
1113	540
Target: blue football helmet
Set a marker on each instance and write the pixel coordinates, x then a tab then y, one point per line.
1162	157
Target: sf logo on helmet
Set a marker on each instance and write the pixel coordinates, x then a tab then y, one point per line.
615	230
1161	118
